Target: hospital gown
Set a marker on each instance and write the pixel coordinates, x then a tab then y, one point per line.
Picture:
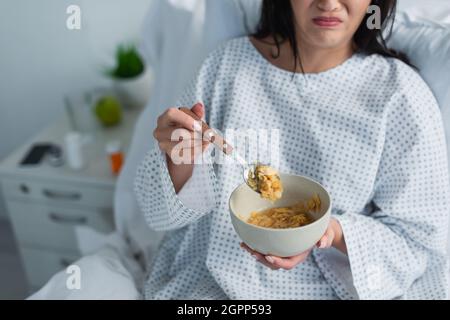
369	130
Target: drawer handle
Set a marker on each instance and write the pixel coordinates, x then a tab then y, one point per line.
67	220
62	196
24	188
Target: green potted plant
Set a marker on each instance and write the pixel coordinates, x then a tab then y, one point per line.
131	79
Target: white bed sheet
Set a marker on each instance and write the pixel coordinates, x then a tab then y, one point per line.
108	274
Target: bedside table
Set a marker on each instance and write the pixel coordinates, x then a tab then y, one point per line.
47	204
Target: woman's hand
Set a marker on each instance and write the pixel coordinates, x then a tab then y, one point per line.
333	237
176	129
180	137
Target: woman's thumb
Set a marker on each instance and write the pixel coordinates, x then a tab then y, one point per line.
199	110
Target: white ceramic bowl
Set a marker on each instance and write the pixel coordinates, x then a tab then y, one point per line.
280	242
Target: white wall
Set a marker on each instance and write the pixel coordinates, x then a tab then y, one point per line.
41	60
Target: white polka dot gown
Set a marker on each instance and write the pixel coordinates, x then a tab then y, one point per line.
369	130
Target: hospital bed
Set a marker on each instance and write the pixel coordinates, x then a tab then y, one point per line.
177	36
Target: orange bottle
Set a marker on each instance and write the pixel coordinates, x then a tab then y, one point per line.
115	155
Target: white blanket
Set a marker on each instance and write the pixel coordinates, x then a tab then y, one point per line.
104	275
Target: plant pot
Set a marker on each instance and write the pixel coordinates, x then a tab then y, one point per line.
134	92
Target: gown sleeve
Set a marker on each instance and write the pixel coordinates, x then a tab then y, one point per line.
162	207
406	233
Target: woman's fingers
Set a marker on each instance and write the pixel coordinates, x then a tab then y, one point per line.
199	110
327	239
176	135
330	237
182	147
180	135
259	257
250	250
276	263
288	263
170	146
182	155
175	117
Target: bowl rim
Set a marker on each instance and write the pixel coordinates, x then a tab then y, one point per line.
282	229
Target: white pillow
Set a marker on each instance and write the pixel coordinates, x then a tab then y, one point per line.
437	11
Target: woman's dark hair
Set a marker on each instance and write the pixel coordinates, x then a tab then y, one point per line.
278	20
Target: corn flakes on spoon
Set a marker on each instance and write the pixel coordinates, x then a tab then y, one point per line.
261	178
266	181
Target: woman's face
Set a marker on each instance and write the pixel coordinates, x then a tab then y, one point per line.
328	24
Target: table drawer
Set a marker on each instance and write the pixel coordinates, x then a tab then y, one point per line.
54	226
41	265
56	192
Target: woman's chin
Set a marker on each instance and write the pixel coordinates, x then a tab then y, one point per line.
329	42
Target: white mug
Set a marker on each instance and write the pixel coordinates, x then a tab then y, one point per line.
74	150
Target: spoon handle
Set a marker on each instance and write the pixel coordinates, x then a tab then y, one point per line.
211	134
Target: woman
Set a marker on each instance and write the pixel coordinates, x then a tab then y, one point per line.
351	115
